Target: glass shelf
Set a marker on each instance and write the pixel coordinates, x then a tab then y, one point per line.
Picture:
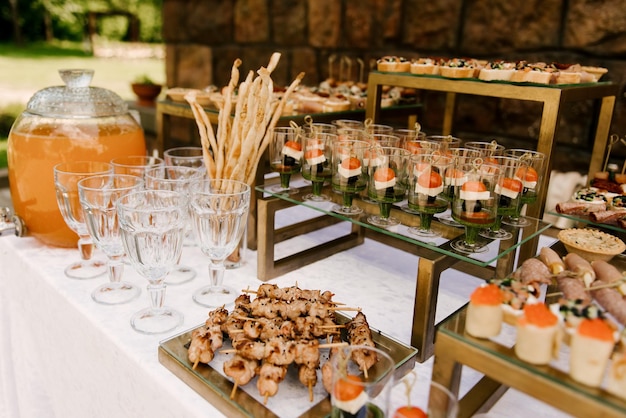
496	359
586	220
441	245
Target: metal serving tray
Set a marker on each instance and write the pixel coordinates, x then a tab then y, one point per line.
210	382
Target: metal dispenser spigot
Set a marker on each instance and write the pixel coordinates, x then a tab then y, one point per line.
11	224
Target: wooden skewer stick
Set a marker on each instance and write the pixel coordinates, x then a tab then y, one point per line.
605	285
332	326
232	392
344	308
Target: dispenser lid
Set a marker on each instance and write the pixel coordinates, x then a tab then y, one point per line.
77	99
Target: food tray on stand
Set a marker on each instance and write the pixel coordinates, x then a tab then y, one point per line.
216	388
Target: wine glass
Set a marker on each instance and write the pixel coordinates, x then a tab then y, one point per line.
530	173
508	192
316	167
349	174
475	203
219	211
184	156
179	179
98	195
152	224
425	190
387	182
285	155
135	165
66	178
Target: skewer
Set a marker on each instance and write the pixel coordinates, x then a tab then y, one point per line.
344	308
605	285
232	392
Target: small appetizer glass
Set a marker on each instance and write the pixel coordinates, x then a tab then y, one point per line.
426	189
184	157
414	141
98	195
453	178
285	155
316	166
219	211
152	224
348	123
377	128
359	388
508	192
387	182
437	402
349	175
487	149
66	178
530	173
445	142
179	179
475	204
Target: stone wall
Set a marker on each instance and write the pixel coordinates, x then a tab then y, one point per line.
203	38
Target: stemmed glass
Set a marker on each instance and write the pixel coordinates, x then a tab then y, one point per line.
316	162
387	182
219	211
152	224
487	149
475	203
425	190
98	195
508	192
179	179
349	173
66	178
285	155
453	177
184	156
348	123
414	141
135	165
530	173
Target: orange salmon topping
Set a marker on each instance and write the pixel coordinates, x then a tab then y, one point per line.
596	328
527	174
454	174
351	163
429	180
384	174
538	314
487	295
511	184
294	145
312	153
474	186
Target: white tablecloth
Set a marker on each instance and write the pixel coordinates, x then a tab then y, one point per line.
63	355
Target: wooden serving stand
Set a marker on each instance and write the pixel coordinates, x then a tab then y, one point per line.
433	259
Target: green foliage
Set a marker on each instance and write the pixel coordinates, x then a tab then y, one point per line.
68	19
8	114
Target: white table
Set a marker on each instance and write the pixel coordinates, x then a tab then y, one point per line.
63	355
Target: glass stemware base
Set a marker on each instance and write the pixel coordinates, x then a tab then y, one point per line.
382	222
115	293
215	296
156	321
180	275
516	221
86	269
466	247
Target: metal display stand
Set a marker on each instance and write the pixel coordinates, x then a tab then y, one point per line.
502	369
433	259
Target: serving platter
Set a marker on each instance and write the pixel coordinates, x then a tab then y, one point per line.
211	383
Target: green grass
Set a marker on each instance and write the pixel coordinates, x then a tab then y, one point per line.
26	70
